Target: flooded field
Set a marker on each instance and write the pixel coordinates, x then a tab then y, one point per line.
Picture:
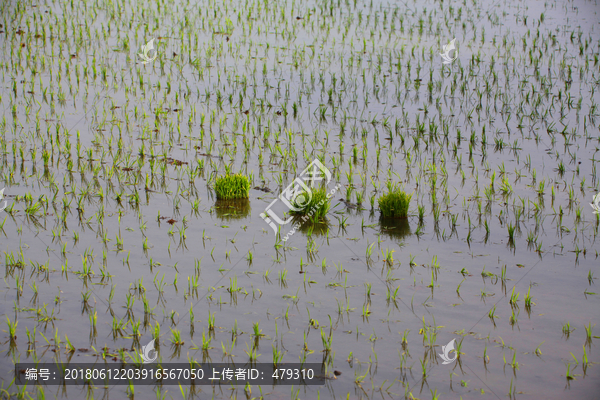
120	118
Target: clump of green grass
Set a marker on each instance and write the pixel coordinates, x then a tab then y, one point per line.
235	186
394	204
313	205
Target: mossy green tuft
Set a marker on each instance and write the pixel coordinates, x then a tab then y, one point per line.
316	208
394	204
234	186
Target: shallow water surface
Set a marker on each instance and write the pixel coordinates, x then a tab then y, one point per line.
113	235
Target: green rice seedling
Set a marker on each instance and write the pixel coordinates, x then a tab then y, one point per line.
506	187
69	346
117	327
412	262
2	225
514	364
358	378
233	286
135	330
421	213
531	239
12	330
234	330
588	333
211	321
436	214
368	291
394	204
566	329
277	355
423	367
453	218
537	350
311	206
156	333
369	251
257	332
388	256
568	374
343	222
93	320
514	298
130	390
486	358
252	353
539	247
528	301
85	297
206	342
193	284
234	186
359	198
487	274
458	287
541	188
283	276
191	316
404	340
31	336
327	341
513	318
172	316
176	337
511	233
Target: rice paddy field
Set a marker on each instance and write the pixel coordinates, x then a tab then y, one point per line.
113	233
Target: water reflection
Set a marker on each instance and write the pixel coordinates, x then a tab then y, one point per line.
395	228
310	228
232	209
